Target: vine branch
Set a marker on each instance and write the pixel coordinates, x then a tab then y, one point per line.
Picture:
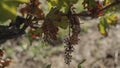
88	14
11	32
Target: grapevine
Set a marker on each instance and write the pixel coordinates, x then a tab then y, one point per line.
63	15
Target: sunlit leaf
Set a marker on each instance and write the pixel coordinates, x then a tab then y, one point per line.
8	9
112	19
71	1
61	4
102	26
107	2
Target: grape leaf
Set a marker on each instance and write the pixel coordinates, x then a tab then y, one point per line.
112	19
57	19
63	23
61	4
57	3
8	9
102	26
69	2
107	2
90	4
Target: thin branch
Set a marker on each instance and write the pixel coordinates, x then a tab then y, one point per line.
88	14
107	7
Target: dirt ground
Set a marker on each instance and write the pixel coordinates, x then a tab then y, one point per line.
97	51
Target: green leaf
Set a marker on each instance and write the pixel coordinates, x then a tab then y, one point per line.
91	3
57	19
102	26
30	38
79	66
61	4
79	6
63	23
112	19
8	9
106	2
38	31
55	3
71	1
48	66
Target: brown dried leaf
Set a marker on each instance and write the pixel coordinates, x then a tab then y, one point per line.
33	8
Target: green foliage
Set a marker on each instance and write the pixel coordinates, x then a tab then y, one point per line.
58	18
61	4
112	19
34	34
8	9
69	2
79	66
89	4
79	6
103	26
55	16
106	21
48	66
63	23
